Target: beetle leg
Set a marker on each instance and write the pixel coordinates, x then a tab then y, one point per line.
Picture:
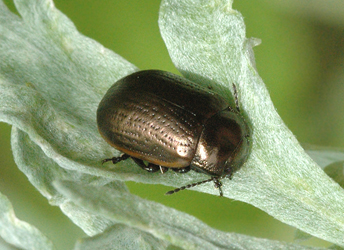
116	159
236	97
218	184
182	170
162	169
150	167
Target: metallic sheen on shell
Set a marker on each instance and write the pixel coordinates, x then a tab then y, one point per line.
170	121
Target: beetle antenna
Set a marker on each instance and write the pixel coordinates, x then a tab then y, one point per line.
218	185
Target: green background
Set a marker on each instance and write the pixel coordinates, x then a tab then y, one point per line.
300	60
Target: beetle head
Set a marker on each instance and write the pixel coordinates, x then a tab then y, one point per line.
223	144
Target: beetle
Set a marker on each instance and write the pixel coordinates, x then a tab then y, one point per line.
163	121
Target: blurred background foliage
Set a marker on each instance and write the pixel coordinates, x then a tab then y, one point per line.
300	60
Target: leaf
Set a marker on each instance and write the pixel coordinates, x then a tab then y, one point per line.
42	171
19	233
336	172
325	156
6	246
163	223
125	238
206	41
51	81
331	160
301	236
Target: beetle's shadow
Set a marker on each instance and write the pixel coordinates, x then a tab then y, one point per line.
225	90
210	84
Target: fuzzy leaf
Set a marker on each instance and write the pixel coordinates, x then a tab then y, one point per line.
51	81
331	160
125	238
162	222
207	44
336	172
325	156
19	233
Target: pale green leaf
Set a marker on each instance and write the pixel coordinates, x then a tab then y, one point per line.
207	43
163	223
125	238
329	159
6	246
301	236
18	233
336	172
325	156
51	81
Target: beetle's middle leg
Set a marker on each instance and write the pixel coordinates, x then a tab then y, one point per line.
150	167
